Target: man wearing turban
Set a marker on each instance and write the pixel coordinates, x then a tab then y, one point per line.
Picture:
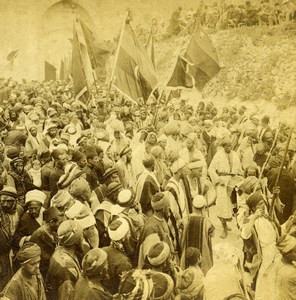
27	282
94	271
32	219
224	166
10	213
64	268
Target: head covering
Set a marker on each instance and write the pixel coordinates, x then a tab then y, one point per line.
177	165
80	214
125	151
159	201
69	232
226	140
51	213
171	128
248	184
90	152
286	243
27	252
162	138
118	229
9	191
92	262
112	188
163	286
148	161
61	198
12	152
195	164
199	201
192	136
192	256
72	172
109	172
158	253
77	155
79	188
156	151
35	195
135	285
254	199
125	198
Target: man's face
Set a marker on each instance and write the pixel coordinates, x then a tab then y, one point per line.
34	208
129	156
227	148
196	172
82	162
13	116
53	132
259	205
19	167
117	135
32	266
7	203
55	223
143	115
33	131
63	159
114	177
189	144
166	212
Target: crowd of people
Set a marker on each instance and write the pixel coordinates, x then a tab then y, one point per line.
108	199
224	16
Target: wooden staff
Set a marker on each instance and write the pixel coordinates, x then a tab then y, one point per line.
275	194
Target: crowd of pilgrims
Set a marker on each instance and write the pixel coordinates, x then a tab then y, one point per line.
109	199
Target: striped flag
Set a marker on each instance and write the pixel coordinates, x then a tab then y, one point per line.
133	74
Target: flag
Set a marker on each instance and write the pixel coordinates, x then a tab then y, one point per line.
150	48
12	55
62	70
98	53
200	61
180	77
50	71
79	79
134	74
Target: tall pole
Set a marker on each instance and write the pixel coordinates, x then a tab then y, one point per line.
117	50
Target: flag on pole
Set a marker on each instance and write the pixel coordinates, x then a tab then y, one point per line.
50	71
199	62
62	70
133	72
11	57
98	53
150	47
79	78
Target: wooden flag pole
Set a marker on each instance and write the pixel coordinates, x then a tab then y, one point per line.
275	195
117	50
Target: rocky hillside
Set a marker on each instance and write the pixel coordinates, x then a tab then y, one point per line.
258	64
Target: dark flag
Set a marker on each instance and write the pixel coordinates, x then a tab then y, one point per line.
11	57
50	71
79	78
98	53
134	74
200	62
181	77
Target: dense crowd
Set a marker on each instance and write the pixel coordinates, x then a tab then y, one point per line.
225	16
108	199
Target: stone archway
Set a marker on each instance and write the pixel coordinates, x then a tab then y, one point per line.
56	31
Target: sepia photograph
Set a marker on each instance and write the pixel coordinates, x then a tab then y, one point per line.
147	150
